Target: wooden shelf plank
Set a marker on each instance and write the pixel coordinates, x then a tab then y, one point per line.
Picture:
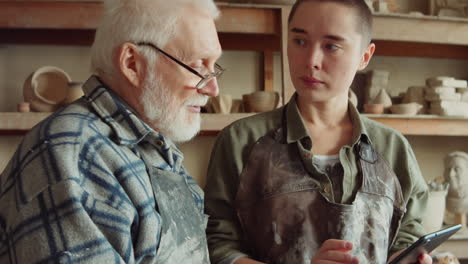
416	49
425	125
85	15
256	42
249	20
212	123
49	15
14	121
429	29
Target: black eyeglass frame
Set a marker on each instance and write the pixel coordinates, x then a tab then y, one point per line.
204	78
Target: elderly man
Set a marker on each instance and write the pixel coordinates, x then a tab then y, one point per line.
102	181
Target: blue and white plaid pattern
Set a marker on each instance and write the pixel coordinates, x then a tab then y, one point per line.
77	190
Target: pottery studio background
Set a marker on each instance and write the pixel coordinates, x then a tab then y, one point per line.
243	76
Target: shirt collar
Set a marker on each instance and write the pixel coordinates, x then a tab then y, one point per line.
296	129
128	128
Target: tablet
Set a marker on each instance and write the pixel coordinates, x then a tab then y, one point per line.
425	244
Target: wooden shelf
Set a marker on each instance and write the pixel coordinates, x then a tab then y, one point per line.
19	18
422	125
85	16
427	29
425	125
14	121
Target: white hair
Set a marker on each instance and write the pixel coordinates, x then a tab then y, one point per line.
139	20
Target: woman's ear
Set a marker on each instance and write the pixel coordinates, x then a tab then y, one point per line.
131	63
366	56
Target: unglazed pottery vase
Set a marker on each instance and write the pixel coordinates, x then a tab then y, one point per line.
221	104
383	98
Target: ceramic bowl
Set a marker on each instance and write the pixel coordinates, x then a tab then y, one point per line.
406	109
260	101
46	88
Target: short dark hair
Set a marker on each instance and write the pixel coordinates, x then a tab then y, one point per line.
363	15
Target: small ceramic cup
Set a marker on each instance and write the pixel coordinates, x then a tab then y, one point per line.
23	107
374	108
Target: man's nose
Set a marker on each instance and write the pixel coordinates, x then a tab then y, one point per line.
211	88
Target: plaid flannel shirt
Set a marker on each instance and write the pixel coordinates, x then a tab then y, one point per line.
77	190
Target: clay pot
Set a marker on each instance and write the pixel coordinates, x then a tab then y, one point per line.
221	104
23	107
374	108
237	106
46	88
383	98
75	91
406	109
260	101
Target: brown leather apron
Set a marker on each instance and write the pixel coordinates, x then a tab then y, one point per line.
285	218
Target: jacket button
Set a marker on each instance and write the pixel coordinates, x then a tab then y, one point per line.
326	189
160	143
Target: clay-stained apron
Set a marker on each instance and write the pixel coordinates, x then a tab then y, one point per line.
285	218
183	238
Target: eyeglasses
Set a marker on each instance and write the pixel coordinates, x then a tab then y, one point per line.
204	78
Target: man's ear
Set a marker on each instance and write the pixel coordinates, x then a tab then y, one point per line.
366	56
131	63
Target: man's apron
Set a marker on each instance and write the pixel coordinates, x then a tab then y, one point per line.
285	218
183	237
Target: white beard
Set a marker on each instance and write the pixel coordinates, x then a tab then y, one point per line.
166	113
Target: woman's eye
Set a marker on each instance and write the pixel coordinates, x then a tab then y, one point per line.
332	47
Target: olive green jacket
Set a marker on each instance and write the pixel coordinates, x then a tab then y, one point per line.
232	149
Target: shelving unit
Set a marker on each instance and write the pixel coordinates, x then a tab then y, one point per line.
245	27
420	125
